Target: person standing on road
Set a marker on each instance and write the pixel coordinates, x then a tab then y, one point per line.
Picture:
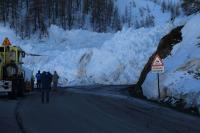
38	77
55	80
32	82
50	78
46	79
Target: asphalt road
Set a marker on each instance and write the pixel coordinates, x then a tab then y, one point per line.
70	112
8	123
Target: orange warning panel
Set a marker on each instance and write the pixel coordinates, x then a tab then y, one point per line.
6	42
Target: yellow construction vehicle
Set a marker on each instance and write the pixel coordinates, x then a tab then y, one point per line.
11	71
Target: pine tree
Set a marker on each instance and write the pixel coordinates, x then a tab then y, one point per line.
14	13
163	6
62	12
69	14
87	4
116	23
3	9
191	6
35	16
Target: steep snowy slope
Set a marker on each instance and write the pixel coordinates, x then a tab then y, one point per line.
142	10
182	77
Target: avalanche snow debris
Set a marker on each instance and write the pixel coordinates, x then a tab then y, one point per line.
181	78
84	57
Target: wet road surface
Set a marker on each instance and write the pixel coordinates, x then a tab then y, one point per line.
8	123
72	112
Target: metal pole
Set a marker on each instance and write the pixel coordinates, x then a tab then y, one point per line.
158	85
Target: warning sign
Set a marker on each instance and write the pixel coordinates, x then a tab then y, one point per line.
6	42
157	65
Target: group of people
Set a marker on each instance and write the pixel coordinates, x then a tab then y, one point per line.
44	81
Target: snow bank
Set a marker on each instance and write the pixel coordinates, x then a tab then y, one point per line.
112	59
82	57
182	77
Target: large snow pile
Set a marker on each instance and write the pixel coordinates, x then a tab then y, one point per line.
83	57
182	77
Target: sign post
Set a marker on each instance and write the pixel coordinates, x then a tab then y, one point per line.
158	85
157	67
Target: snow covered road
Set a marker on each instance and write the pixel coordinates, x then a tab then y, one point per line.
86	113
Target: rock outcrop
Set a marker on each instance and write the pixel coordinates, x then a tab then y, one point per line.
164	49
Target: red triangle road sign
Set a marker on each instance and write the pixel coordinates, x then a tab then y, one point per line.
157	61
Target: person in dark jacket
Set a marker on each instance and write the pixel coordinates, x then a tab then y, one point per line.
46	79
32	82
50	78
55	80
38	77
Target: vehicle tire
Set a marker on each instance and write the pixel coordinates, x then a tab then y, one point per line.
21	86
